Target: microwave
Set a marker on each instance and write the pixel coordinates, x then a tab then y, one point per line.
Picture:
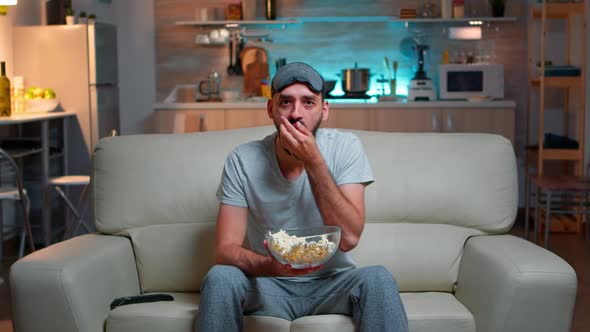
471	81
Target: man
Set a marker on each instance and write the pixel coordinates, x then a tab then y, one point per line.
298	176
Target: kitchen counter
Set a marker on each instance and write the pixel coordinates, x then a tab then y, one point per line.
186	92
492	116
341	104
438	116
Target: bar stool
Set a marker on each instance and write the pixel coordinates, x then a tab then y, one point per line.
79	209
11	188
568	195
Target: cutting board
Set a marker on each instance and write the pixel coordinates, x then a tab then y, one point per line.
255	68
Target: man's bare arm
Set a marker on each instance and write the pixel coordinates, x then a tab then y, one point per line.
230	234
342	206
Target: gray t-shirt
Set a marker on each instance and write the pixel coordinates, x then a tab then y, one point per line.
252	179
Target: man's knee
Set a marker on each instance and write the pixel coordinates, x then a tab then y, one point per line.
224	276
378	275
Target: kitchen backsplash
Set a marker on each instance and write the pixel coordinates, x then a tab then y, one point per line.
333	46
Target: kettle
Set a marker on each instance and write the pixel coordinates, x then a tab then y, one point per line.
211	87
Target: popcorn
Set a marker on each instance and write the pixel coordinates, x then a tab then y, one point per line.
295	250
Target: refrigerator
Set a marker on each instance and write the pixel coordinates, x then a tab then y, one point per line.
80	63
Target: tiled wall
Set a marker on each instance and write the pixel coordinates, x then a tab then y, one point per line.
333	46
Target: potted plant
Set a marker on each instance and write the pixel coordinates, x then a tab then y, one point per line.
91	18
70	18
82	17
498	7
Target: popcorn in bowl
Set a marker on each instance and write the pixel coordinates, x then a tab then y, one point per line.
304	247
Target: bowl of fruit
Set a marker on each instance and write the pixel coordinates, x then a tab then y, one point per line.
304	247
40	100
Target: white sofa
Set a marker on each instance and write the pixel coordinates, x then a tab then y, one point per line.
437	218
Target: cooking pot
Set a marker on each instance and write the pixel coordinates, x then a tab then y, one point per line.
356	80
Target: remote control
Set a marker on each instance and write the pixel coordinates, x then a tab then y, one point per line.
140	299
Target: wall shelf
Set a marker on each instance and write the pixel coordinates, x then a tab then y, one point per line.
395	19
574	86
558	81
556	154
343	19
236	23
456	20
557	10
543	159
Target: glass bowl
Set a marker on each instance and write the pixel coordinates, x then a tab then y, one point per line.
304	247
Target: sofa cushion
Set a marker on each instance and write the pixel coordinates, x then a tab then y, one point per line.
421	257
420	179
467	180
142	180
426	312
177	315
185	249
324	323
433	311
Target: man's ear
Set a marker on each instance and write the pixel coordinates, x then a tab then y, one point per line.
325	110
269	108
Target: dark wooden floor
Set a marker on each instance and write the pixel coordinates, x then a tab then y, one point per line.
571	247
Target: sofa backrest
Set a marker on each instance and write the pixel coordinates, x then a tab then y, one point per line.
432	192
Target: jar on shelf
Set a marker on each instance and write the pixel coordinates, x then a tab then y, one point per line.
458	8
18	95
446	8
271	10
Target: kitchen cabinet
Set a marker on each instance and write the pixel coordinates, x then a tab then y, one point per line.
246	118
419	120
185	121
452	120
483	120
191	120
495	118
350	118
204	120
427	120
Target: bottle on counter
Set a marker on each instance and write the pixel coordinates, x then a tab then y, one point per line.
17	95
265	90
4	91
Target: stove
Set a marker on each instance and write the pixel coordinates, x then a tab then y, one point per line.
350	96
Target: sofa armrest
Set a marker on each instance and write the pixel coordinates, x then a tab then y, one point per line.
68	286
510	284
